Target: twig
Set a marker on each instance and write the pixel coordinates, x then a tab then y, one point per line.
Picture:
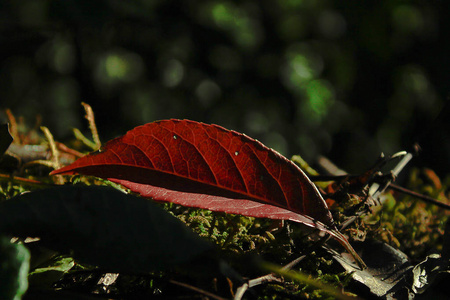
25	181
376	189
240	291
263	279
425	198
329	167
196	289
267	278
68	150
40	162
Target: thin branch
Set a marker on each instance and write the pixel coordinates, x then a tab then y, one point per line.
242	289
266	278
68	150
323	178
24	181
425	198
196	289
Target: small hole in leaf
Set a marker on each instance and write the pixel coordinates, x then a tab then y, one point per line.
174	137
236	153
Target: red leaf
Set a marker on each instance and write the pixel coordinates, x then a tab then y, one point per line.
209	167
195	158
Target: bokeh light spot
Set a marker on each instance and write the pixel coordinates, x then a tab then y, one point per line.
116	67
173	73
320	96
408	19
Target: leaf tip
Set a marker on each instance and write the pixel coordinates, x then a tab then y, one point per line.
345	243
62	171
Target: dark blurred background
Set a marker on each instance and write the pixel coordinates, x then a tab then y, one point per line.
344	79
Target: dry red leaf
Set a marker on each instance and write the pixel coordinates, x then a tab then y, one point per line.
209	167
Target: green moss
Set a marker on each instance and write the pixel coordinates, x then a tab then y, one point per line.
405	223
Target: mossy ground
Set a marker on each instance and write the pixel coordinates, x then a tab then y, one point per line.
407	224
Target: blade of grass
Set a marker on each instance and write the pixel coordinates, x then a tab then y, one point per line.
307	279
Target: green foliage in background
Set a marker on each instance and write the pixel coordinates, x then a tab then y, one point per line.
343	79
